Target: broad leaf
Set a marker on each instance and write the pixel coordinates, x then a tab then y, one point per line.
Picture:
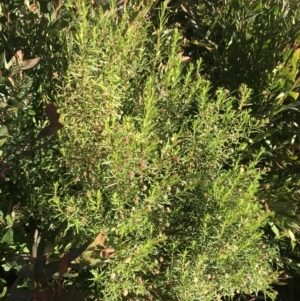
7	237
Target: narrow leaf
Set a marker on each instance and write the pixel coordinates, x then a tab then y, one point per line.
280	283
295	59
275	230
51	268
63	267
39	266
291	235
291	106
73	254
264	135
42	242
28	64
49	130
27	271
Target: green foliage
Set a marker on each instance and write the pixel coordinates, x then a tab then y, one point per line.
15	101
146	143
10	245
181	175
256	43
31	62
42	275
242	42
31	59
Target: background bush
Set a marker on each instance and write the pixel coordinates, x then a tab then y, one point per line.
256	43
181	174
31	28
28	167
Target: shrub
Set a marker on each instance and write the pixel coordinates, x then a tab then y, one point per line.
257	43
29	171
41	274
148	144
27	161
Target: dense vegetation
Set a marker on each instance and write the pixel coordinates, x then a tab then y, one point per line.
149	149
